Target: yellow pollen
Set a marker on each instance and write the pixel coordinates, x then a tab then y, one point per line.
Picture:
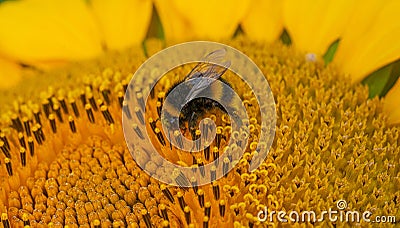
65	163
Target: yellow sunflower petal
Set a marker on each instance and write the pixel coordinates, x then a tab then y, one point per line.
10	73
392	106
123	23
263	21
41	30
207	19
314	24
371	40
175	28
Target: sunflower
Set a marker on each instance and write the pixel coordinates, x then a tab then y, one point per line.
64	160
43	34
358	37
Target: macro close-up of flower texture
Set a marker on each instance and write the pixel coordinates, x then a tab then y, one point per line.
332	66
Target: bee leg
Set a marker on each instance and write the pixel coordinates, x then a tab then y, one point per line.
182	126
169	139
193	125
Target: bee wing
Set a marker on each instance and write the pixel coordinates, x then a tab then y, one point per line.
209	72
204	66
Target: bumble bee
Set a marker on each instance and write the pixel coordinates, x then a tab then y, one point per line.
190	103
